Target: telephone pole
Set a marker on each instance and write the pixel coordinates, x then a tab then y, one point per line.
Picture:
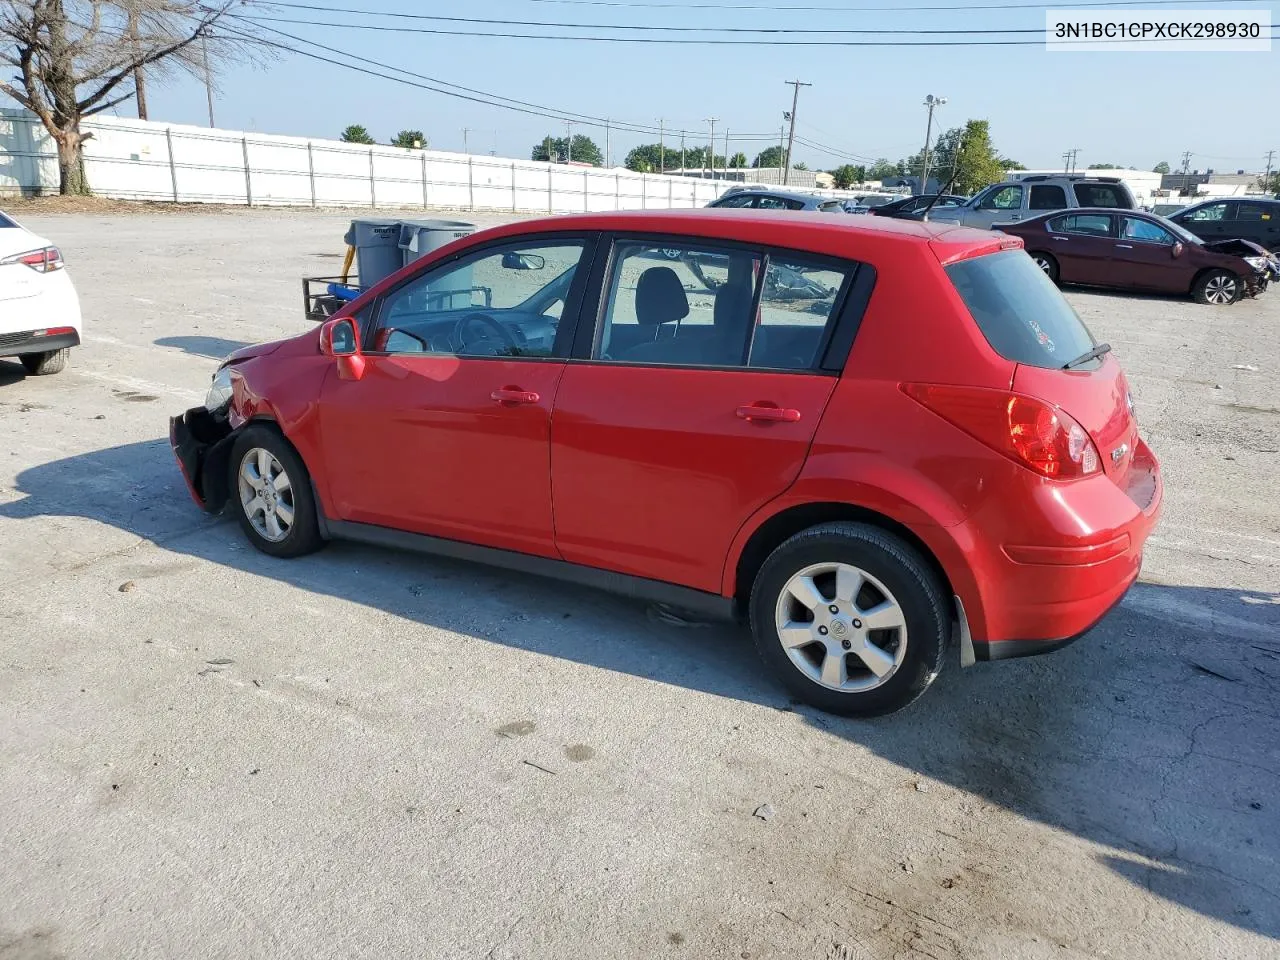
711	146
726	154
139	82
931	102
791	137
607	151
1069	160
1266	177
682	153
208	77
568	141
465	132
662	147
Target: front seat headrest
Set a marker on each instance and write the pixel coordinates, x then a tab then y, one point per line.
660	297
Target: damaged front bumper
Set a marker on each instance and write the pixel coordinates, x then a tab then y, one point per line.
201	441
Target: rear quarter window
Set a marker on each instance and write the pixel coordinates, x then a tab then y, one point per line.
1103	195
1018	309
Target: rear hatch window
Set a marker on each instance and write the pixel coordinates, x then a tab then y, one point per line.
1103	195
830	205
1018	309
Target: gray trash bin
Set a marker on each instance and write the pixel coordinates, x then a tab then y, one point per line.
377	244
421	237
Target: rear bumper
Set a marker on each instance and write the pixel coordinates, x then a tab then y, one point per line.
36	341
201	443
1038	570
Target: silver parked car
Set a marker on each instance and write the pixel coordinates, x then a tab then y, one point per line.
1031	196
763	199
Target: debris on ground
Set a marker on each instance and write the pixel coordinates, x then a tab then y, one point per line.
1244	366
127	586
764	812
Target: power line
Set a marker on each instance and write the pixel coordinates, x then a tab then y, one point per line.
468	93
931	8
705	41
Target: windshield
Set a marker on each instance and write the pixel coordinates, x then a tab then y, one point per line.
1018	309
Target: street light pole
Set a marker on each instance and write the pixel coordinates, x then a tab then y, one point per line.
711	146
930	101
791	137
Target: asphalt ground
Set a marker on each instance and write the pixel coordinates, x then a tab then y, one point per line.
205	752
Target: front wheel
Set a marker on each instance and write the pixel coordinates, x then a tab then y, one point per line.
43	364
1047	264
850	618
1218	288
272	494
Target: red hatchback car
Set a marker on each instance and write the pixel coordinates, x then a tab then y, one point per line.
863	436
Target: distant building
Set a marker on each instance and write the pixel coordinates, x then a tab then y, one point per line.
1211	184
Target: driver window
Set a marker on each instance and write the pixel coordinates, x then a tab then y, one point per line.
1006	198
504	302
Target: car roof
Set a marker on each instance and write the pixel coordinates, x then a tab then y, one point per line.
796	229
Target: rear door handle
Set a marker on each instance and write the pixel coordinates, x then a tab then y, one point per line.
768	413
514	396
1124	246
1063	239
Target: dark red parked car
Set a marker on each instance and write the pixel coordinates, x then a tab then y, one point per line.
864	436
1098	246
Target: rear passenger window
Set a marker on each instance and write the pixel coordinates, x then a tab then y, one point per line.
1047	196
716	307
1101	195
777	203
1018	309
1088	224
741	201
1257	211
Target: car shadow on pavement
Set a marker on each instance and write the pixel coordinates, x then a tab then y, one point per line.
11	371
1153	738
215	347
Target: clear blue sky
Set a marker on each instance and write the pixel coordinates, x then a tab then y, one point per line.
1133	109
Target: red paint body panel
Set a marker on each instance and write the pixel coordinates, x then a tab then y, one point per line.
419	443
651	471
654	472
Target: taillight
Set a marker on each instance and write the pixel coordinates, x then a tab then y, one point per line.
44	261
1025	429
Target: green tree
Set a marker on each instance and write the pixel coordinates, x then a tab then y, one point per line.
976	163
738	160
1161	167
769	157
1007	164
649	158
800	166
410	140
1270	184
581	150
356	134
1105	166
847	175
882	169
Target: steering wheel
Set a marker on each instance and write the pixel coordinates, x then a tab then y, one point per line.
487	326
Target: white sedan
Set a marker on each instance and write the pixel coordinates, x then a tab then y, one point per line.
39	309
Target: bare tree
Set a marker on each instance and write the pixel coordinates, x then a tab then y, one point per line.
80	57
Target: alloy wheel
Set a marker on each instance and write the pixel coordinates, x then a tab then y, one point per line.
266	494
841	627
1220	289
1045	266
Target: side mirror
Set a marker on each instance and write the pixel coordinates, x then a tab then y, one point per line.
340	340
1177	250
523	261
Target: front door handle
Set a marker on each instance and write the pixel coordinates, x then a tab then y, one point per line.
514	396
768	413
1063	239
1124	246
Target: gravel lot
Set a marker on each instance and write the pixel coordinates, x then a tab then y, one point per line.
208	753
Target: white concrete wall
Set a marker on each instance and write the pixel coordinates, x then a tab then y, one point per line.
137	160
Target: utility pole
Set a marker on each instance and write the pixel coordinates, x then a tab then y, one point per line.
139	82
682	152
1266	177
465	131
1069	160
791	138
1186	164
662	151
782	150
711	147
607	150
208	77
726	154
931	102
568	141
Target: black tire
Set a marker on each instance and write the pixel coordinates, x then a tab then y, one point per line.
1048	264
303	534
898	566
1205	288
43	364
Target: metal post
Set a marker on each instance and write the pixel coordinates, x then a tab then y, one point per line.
550	194
173	172
586	206
513	186
471	186
248	180
644	192
424	180
373	190
617	191
671	193
311	173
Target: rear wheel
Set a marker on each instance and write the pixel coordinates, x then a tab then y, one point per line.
1217	288
271	493
1047	264
850	618
42	364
